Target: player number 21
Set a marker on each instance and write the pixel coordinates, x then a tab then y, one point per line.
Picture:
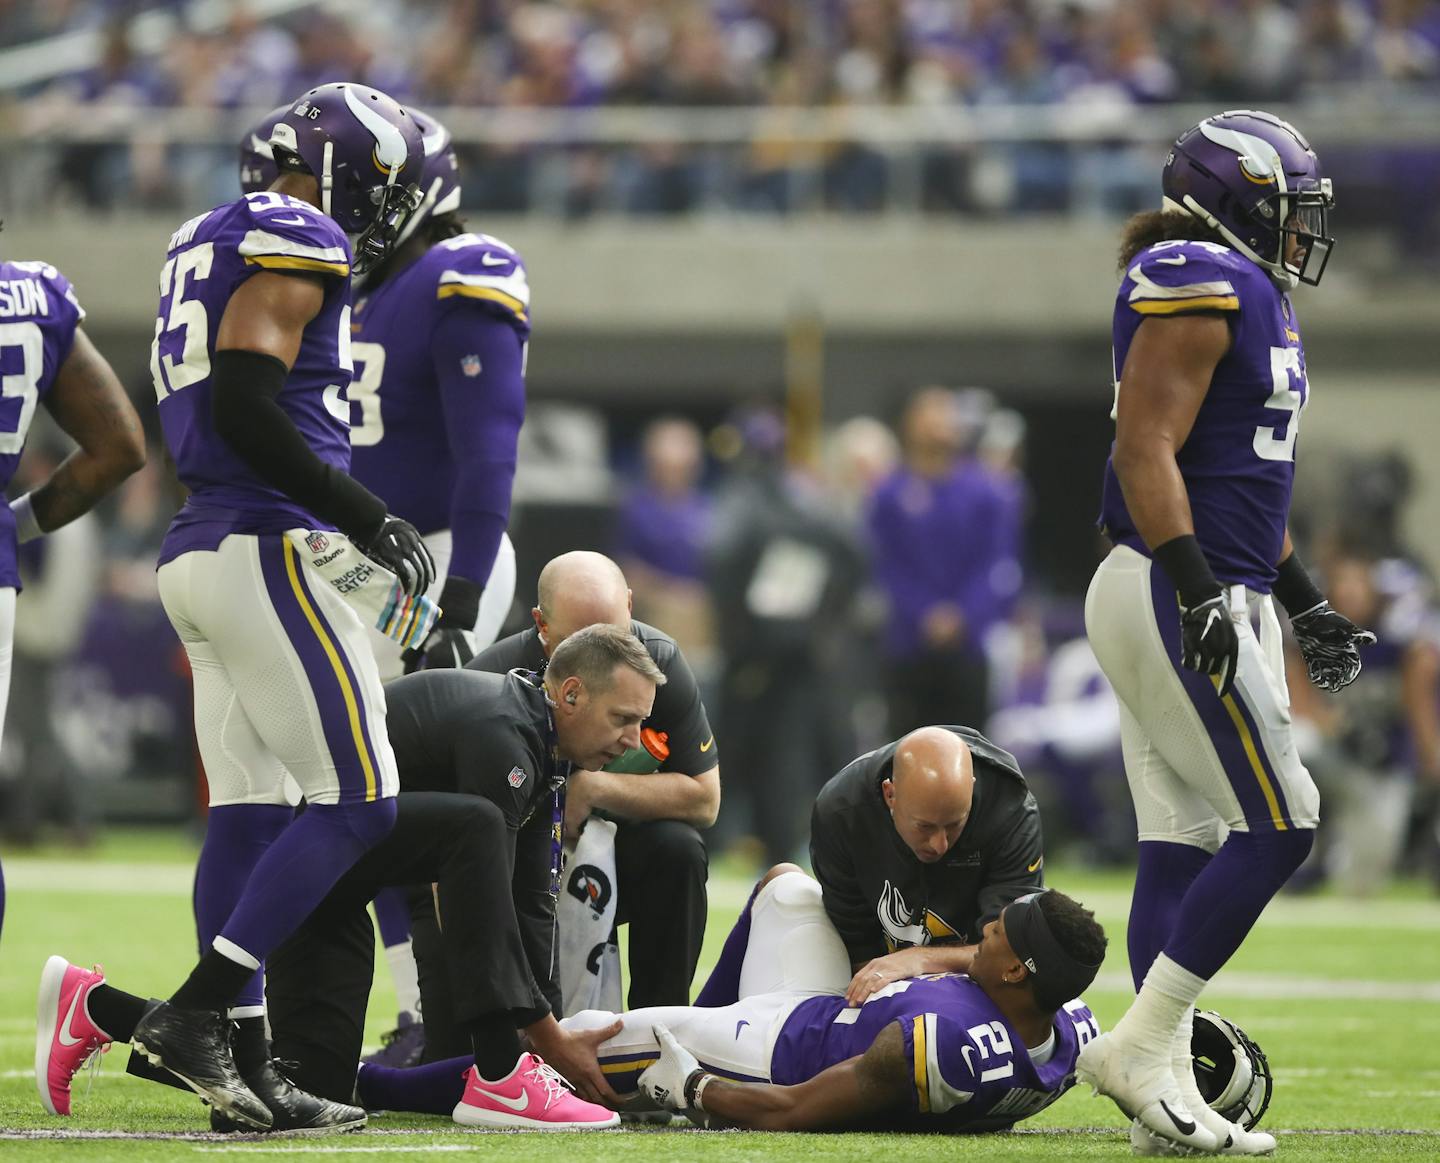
1287	378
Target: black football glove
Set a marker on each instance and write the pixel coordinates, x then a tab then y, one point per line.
396	545
1208	641
444	649
451	643
1330	644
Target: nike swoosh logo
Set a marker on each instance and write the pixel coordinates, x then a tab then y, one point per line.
65	1039
1037	864
494	260
704	747
521	1103
1184	1126
1177	261
740	1025
298	220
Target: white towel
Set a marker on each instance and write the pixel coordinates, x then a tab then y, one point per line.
374	592
590	975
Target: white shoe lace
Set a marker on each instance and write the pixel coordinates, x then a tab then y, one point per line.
551	1079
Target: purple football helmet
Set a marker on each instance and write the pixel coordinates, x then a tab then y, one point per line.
257	160
439	177
366	153
1255	179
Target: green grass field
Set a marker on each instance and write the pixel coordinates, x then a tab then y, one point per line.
1344	996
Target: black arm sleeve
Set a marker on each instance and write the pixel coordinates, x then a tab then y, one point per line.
535	902
248	418
845	904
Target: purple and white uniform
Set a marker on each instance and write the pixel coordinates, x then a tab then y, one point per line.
1239	459
970	1069
38	317
284	677
437	405
1195	760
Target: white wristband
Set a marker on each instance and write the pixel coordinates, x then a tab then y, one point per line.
27	528
705	1080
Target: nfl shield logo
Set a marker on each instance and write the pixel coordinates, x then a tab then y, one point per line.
516	776
470	365
318	542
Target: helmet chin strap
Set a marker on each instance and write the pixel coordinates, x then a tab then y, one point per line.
327	178
1282	275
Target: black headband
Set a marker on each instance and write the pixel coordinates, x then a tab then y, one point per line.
1055	971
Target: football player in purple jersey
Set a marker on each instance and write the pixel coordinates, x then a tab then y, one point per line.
440	334
786	1051
45	356
1211	381
251	363
441	331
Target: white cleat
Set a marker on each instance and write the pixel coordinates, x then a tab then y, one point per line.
1143	1086
1142	1142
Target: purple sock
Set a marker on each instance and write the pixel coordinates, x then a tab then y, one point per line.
1162	879
426	1090
236	836
2	899
1228	897
300	867
392	914
722	987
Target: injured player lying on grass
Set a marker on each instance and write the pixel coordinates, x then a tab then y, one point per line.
773	1044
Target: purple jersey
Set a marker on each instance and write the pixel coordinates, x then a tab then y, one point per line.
439	393
208	258
968	1063
1238	462
38	317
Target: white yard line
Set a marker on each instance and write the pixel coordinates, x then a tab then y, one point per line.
176	880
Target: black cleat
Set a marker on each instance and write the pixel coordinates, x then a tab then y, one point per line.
194	1045
291	1108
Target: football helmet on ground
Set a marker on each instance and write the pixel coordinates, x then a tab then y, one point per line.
1231	1070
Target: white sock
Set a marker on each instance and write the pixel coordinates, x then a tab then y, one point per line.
406	975
1166	998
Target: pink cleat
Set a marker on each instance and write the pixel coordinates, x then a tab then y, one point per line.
65	1037
532	1097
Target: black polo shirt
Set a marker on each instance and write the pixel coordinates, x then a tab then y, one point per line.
882	897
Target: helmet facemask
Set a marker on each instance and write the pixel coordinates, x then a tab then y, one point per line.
1307	221
394	206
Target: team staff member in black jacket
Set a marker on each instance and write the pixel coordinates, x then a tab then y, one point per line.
917	845
483	761
660	860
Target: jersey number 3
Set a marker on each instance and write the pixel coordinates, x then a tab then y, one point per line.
1288	378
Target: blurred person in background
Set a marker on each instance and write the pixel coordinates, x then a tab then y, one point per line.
942	537
784	574
1057	714
1373	751
663	524
857	455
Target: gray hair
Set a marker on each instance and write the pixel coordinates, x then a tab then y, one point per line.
592	654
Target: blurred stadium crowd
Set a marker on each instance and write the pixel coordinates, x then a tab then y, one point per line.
740	52
827	607
1095	60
